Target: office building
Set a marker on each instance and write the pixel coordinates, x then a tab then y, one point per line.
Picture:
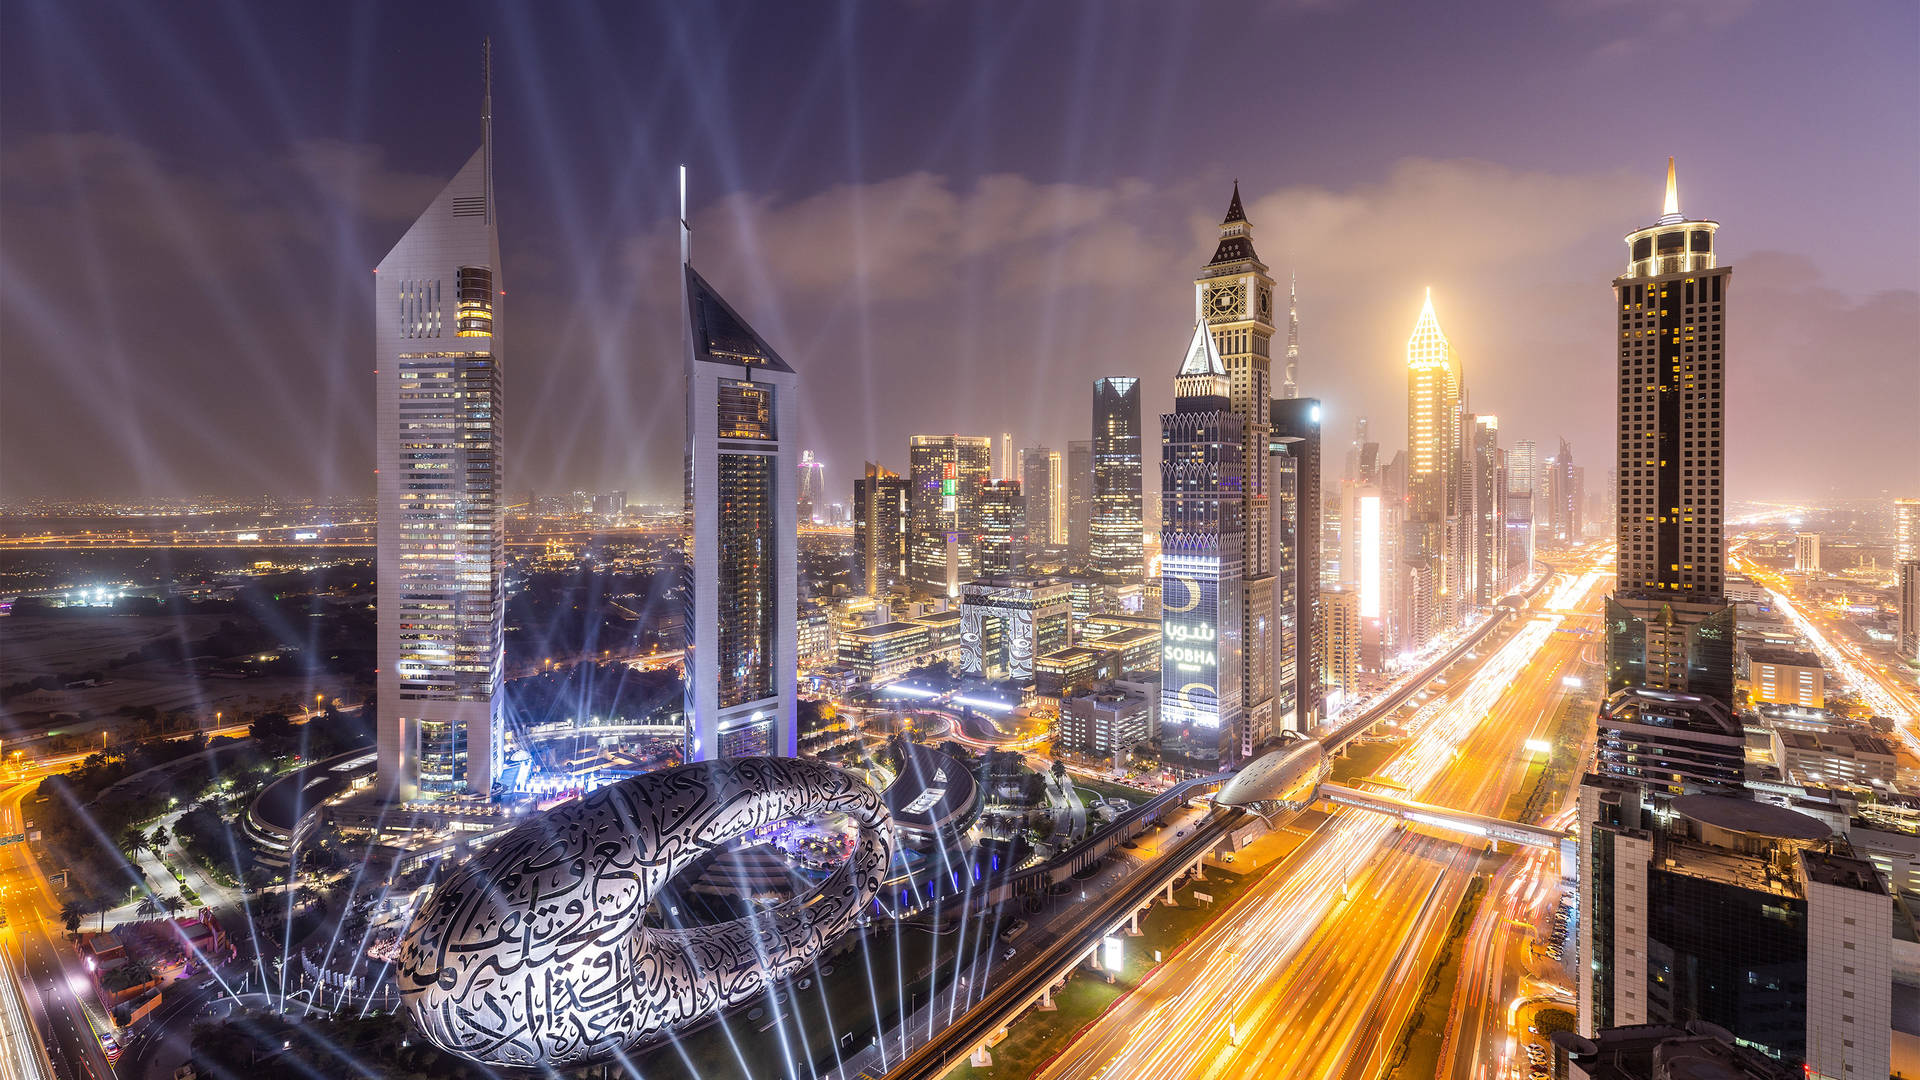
810	485
1002	541
1906	529
1695	1050
1079	501
1668	623
1909	637
1786	677
1522	466
1738	913
740	575
1566	497
1833	757
1202	446
610	505
1806	553
1007	620
1300	639
1108	722
1433	527
1670	743
1233	297
438	340
1488	525
1115	532
880	516
1043	483
1340	614
943	477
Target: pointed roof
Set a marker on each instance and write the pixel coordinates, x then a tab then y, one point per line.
1203	356
720	335
1234	212
1428	343
1672	207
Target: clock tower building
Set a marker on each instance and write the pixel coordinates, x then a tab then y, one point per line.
1234	297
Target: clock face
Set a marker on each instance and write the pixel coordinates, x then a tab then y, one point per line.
1266	302
1223	301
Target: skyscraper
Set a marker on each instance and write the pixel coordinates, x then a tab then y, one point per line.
1114	536
1668	623
1290	382
1906	529
1301	639
438	336
739	589
1233	297
1489	511
1079	501
1565	496
1002	541
1433	464
1043	490
880	529
811	485
1202	449
943	475
1806	552
1909	637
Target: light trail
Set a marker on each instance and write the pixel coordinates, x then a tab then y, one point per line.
1276	960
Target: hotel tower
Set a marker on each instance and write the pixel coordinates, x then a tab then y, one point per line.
1668	624
1233	298
437	341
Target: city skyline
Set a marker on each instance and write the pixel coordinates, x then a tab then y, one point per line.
1018	253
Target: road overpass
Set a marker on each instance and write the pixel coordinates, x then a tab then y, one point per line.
1491	828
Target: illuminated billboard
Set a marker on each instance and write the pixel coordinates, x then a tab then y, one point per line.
1370	556
1189	641
950	489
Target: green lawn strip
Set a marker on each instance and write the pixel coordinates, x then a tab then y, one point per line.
1418	1052
1361	759
1036	1038
1107	789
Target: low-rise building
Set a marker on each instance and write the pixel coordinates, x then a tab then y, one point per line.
1786	677
1834	756
1110	721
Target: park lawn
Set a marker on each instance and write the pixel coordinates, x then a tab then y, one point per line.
1362	759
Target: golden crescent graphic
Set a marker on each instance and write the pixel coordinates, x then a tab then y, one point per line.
1193	596
1186	692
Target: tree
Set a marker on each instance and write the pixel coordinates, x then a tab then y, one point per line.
131	842
1059	771
158	839
71	913
174	905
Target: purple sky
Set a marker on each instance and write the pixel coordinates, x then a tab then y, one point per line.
947	216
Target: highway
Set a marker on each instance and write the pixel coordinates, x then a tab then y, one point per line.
1866	676
41	957
1316	970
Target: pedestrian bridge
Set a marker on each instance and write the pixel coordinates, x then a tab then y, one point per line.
1493	828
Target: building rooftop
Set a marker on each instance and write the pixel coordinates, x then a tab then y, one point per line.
1766	654
1750	817
883	630
1841	870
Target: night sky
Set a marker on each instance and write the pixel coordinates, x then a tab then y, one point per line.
947	216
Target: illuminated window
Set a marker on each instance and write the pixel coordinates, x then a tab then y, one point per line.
746	410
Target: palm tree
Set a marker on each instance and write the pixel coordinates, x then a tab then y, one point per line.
158	839
71	913
174	905
132	841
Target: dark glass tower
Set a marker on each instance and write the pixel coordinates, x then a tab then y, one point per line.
1294	443
1118	518
880	529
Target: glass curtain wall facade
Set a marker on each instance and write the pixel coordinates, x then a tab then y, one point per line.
944	474
1115	533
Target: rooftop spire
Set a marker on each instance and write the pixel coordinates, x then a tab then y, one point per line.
486	117
1234	212
1673	193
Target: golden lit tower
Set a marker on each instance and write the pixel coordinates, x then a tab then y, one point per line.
1433	459
1668	623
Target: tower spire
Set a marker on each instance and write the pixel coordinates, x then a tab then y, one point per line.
1672	208
486	119
1234	212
